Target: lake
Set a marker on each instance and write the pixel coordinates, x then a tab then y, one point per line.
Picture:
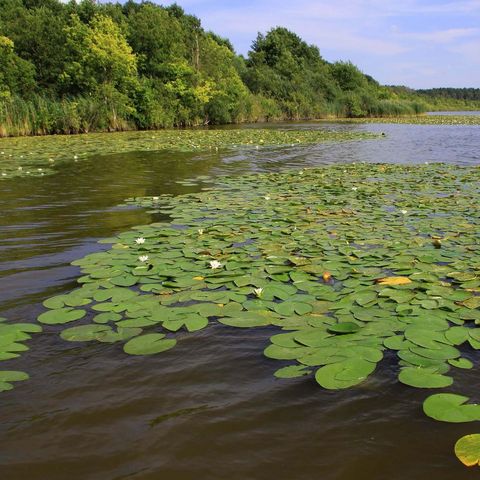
211	409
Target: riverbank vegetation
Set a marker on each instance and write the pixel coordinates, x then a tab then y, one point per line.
81	67
442	99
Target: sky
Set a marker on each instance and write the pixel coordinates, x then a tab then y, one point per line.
420	44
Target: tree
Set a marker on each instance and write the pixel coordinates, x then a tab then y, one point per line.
282	66
157	38
39	38
98	54
16	75
348	76
228	94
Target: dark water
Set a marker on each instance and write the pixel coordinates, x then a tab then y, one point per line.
210	408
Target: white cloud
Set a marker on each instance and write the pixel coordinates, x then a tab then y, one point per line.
321	24
441	36
414	42
469	50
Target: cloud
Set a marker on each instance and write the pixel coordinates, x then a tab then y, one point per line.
441	36
439	39
469	50
339	26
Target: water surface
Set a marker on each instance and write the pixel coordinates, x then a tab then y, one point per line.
209	408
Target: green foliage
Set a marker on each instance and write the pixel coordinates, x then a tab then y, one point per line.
283	67
99	55
39	38
76	67
348	76
16	74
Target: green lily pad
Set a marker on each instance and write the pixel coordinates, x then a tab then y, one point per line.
344	374
424	378
61	316
84	333
292	371
449	407
149	344
463	363
344	327
6	377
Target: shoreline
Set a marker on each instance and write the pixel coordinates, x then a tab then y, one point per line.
431	118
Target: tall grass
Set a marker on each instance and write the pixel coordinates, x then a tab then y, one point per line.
44	116
40	115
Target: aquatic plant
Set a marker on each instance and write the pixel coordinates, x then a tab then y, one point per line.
12	336
415	120
39	156
344	273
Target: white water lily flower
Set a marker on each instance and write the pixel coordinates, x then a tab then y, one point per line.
267	197
155	198
354	189
4	174
140	241
214	264
143	258
200	231
258	291
403	212
20	168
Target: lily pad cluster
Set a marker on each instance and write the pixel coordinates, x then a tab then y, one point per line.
37	156
12	338
418	120
342	264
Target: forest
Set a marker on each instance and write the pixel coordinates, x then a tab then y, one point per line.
87	66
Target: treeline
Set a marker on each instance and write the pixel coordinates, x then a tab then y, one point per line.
79	67
441	99
455	93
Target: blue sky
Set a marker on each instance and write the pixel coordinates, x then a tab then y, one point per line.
421	44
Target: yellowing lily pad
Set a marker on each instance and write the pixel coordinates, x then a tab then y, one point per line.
393	281
467	450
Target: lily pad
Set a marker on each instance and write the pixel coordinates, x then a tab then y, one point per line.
449	407
424	378
344	374
467	450
61	316
293	371
149	344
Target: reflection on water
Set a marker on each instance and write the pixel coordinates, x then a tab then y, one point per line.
210	408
